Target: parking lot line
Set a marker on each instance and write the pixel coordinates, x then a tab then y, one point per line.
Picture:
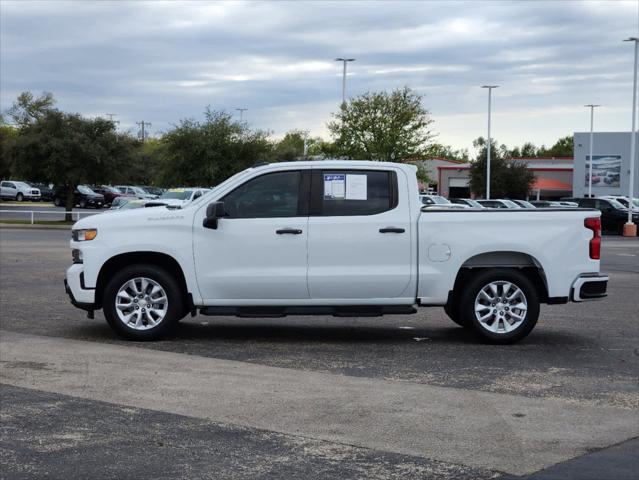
508	433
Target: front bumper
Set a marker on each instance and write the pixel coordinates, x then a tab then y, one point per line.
589	287
80	296
94	202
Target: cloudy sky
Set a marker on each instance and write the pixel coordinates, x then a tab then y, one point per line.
163	61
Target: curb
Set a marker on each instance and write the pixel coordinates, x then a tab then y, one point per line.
28	226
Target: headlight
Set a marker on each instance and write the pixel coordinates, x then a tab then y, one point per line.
84	235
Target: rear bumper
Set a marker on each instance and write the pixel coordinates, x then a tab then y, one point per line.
589	287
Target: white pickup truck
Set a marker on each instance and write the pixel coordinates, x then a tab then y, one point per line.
344	238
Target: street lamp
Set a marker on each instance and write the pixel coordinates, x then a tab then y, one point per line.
490	91
344	62
630	229
592	117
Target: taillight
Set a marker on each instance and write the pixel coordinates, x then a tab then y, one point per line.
594	224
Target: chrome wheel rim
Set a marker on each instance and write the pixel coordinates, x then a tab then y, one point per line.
141	303
501	307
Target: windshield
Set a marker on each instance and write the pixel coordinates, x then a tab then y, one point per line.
511	204
526	204
438	200
86	190
132	204
617	205
22	184
635	202
110	189
177	193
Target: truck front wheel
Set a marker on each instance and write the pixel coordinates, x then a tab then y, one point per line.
502	305
143	302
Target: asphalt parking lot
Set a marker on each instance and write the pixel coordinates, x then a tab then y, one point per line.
393	397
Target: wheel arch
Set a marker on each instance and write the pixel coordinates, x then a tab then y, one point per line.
159	259
523	262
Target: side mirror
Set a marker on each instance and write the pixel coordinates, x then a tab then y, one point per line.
214	211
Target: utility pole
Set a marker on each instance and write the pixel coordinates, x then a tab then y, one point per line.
111	115
489	146
241	110
344	62
305	143
142	131
592	123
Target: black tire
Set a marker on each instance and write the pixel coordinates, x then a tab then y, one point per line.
482	279
175	296
19	197
57	202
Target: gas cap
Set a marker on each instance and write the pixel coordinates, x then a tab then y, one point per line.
438	252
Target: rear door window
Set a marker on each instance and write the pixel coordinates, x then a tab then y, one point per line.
353	192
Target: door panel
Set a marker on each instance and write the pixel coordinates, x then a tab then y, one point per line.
349	257
259	250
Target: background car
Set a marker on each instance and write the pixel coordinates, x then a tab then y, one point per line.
46	191
439	201
469	202
135	191
613	214
546	204
523	203
127	203
152	190
19	191
498	203
109	193
623	200
83	197
181	196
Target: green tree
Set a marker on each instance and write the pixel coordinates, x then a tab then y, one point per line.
437	150
564	147
27	109
291	147
68	150
392	127
508	178
205	153
7	133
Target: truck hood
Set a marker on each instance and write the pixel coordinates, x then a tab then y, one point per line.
131	218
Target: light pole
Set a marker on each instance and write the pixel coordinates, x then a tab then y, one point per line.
490	91
241	110
592	118
344	62
630	229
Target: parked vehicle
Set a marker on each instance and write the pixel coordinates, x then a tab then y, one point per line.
523	203
83	197
469	202
611	177
623	200
333	237
109	193
498	203
437	201
613	214
18	191
157	191
180	196
546	204
46	192
135	191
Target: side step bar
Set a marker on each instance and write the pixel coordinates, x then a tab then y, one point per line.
339	311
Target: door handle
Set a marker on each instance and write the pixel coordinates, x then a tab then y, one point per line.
391	230
291	231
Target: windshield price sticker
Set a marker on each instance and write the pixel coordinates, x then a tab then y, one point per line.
334	185
356	187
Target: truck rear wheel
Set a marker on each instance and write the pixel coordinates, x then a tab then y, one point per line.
502	305
143	302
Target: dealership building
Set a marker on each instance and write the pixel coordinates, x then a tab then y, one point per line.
555	177
610	166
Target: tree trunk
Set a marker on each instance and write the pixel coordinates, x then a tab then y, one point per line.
69	203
